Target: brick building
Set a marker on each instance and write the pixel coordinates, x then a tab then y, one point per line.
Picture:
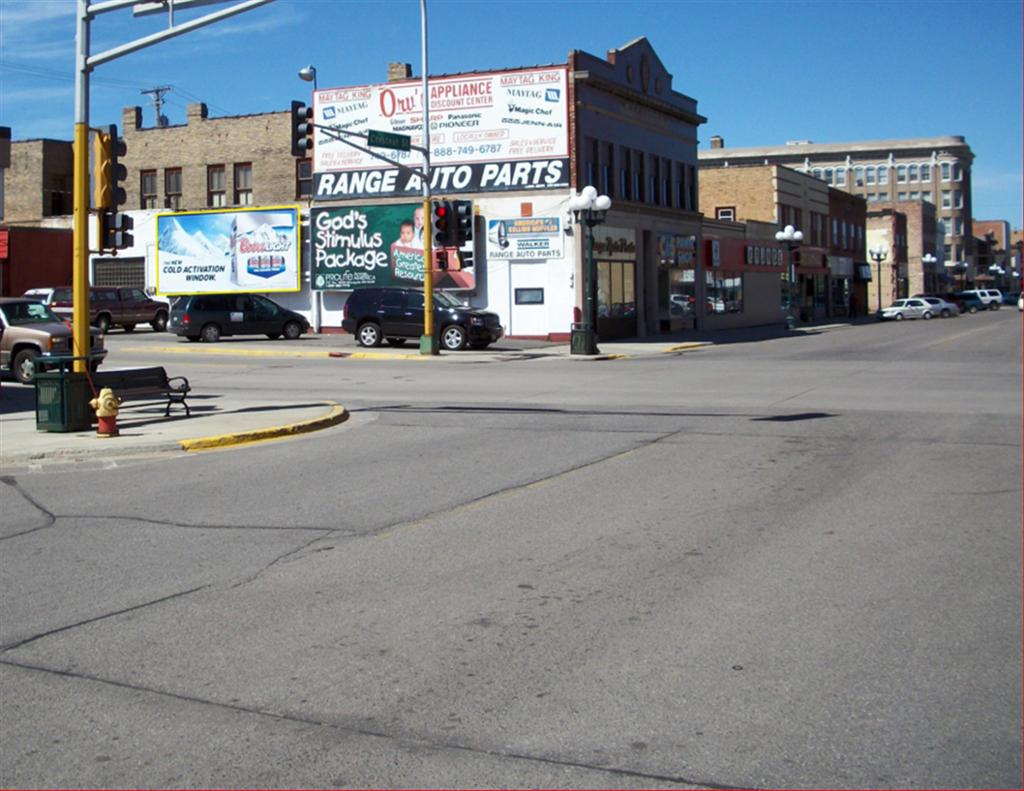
886	226
777	194
936	170
38	183
210	162
847	254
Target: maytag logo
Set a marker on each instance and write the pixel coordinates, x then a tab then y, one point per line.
329	113
552	94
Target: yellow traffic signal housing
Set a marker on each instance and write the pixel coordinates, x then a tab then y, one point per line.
102	172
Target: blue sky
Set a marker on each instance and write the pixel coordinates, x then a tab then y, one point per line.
761	72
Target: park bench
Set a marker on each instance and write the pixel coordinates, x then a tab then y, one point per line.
145	384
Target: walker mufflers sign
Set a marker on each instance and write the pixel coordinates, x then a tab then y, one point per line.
360	246
216	252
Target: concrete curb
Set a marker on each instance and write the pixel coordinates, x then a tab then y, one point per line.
338	414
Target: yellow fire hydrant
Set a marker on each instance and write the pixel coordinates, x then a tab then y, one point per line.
106	405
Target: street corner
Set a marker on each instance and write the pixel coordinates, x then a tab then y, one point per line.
335	415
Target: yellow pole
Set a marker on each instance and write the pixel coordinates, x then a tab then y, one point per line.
80	233
428	274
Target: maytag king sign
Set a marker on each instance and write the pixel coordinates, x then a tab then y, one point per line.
488	132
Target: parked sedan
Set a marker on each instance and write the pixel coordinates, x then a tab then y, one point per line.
942	308
907	309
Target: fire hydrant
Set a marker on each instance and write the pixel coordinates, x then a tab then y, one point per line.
106	405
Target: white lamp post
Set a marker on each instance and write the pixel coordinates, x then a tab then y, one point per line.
792	239
308	74
590	209
929	262
878	253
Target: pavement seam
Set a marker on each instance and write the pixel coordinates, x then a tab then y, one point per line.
407	739
338	414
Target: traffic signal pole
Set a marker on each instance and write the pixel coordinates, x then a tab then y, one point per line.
80	205
428	342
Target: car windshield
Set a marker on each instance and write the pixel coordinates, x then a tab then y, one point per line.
19	313
446	300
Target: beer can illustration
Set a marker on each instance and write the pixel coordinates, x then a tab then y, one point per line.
261	244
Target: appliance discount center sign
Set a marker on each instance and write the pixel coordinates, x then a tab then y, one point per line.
488	132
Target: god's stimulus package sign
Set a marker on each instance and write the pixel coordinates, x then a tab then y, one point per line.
358	246
228	251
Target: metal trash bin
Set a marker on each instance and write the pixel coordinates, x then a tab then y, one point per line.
583	339
62	400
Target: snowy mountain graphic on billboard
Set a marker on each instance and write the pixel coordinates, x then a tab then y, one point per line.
174	239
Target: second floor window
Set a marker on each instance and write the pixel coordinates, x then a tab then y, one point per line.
147	189
172	188
243	184
215	196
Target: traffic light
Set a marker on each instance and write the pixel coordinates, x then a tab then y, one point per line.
115	230
441	259
442	224
302	129
463	210
109	176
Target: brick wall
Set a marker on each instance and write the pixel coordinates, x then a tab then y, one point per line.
749	189
262	140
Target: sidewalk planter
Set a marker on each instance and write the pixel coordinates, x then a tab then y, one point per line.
62	401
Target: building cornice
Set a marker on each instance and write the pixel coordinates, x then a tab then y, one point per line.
588	78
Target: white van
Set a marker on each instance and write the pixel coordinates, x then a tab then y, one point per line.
992	297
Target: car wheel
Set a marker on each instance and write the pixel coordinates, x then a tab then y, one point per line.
292	330
453	338
994	306
273	335
368	334
395	341
899	317
927	315
945	313
211	333
972	309
129	328
159	324
24	366
103	322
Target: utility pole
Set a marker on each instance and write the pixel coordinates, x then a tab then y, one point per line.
158	102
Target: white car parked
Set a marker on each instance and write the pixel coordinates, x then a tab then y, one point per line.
992	297
907	309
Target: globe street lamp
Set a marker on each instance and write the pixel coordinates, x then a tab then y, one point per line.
878	253
792	239
590	209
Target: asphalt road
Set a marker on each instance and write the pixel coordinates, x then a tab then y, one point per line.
793	563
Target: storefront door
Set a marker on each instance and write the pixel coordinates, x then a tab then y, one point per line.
616	299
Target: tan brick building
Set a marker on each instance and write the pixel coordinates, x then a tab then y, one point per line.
38	183
779	195
887	227
210	163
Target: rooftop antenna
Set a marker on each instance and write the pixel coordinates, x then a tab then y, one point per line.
158	103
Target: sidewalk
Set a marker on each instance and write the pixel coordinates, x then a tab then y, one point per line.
222	420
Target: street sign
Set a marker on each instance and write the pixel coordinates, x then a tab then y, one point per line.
387	140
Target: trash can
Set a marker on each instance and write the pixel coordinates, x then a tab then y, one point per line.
62	400
583	340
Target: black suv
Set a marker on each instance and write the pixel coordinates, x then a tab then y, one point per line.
209	316
395	314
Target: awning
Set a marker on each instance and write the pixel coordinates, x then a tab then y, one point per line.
862	272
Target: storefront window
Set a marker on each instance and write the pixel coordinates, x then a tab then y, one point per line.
682	292
820	294
616	298
723	292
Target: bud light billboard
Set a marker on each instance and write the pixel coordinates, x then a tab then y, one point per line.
227	251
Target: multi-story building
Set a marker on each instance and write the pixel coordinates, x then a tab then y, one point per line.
38	182
887	229
993	240
848	276
936	170
783	196
923	243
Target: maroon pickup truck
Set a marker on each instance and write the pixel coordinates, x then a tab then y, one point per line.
108	306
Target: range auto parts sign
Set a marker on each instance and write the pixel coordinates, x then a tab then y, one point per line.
488	132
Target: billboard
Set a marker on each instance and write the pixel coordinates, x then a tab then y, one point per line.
360	246
228	250
488	132
527	238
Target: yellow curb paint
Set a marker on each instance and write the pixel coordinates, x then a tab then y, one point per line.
382	356
338	414
682	347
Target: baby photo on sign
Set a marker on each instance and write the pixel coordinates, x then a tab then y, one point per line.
406	257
